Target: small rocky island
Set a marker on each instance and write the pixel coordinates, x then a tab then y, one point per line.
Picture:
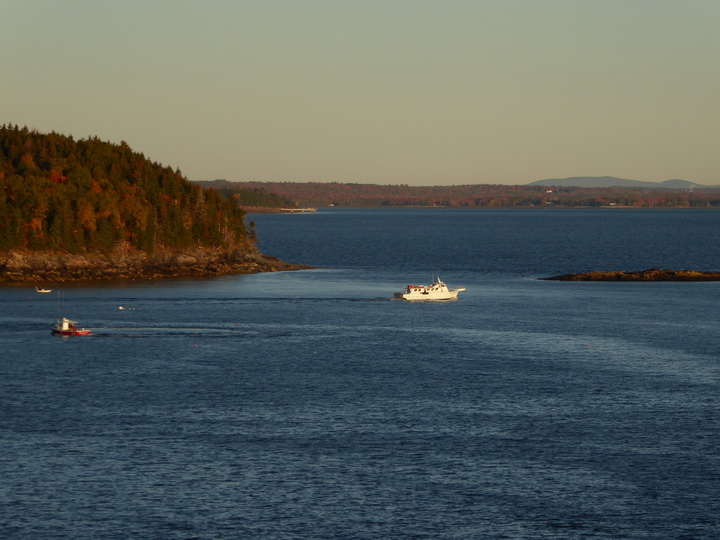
652	274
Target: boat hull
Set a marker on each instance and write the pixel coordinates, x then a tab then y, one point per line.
419	296
82	332
66	327
437	291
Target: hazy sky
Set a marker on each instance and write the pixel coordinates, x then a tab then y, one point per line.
376	91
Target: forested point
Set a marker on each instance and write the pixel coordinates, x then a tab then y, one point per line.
89	209
59	194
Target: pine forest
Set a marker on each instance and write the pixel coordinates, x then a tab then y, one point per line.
80	196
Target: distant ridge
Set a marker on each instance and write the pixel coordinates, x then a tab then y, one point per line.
611	181
334	194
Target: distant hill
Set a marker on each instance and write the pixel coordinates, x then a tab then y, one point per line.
319	194
611	181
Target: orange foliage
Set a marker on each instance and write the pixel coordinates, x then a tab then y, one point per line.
36	225
28	160
56	176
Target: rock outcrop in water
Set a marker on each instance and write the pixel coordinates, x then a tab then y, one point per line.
35	267
652	274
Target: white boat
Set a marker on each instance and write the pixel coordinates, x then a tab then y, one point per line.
66	327
437	291
38	289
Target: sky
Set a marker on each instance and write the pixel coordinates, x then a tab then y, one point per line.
414	92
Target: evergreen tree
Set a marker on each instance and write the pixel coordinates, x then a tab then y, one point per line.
90	195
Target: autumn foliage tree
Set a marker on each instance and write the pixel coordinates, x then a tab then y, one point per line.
59	194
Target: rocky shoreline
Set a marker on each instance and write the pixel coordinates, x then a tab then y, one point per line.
29	267
652	274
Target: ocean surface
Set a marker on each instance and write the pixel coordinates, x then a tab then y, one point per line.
309	405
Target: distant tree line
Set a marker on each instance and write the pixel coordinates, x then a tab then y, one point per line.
251	197
89	195
481	195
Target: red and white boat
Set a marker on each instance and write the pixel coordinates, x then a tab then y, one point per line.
66	327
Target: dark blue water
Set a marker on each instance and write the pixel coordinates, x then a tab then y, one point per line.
309	405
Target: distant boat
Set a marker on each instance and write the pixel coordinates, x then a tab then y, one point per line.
37	289
66	327
437	291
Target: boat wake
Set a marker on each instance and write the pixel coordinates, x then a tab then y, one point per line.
173	332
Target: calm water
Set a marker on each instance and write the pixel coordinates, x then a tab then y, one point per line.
309	405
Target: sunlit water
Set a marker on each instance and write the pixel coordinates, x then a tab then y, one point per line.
310	405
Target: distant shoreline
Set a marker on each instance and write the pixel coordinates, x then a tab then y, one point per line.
268	210
673	194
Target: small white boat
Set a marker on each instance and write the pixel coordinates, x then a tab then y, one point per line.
437	291
38	289
66	327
